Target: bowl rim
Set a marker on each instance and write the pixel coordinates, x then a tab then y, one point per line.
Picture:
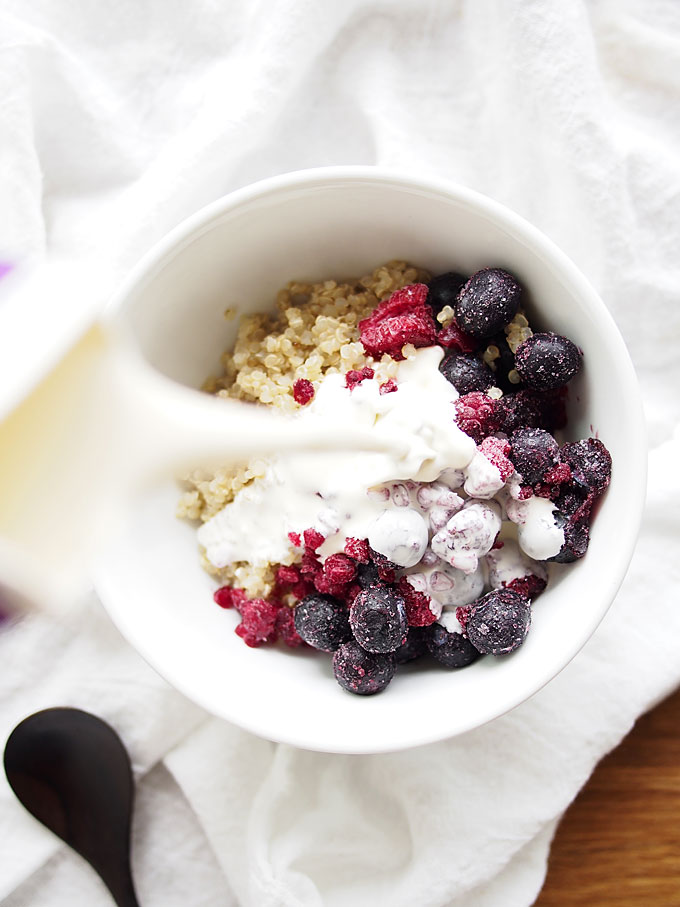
170	244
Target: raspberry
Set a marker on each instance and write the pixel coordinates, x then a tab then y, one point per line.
358	549
403	318
389	387
285	627
287	576
313	539
453	338
226	597
496	450
559	474
303	391
340	569
258	622
294	539
324	585
354	377
477	415
462	615
530	586
418	611
309	564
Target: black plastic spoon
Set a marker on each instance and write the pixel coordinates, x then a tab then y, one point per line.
72	772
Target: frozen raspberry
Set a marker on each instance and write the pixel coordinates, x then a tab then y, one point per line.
530	586
418	611
466	372
301	589
499	622
590	462
303	391
322	621
309	565
443	290
488	301
378	619
294	539
358	671
462	615
358	549
354	377
285	627
546	361
339	568
351	593
389	387
386	569
327	587
287	576
258	622
313	539
227	597
496	450
477	415
403	318
451	649
558	474
453	338
413	648
534	451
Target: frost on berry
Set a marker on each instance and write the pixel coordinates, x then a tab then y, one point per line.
258	622
420	609
403	318
355	376
477	415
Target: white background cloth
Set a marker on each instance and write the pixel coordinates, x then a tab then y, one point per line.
117	120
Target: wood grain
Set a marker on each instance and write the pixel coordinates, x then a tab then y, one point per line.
619	842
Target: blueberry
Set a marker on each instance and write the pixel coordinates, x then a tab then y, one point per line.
362	672
533	451
576	538
499	622
414	646
590	462
547	361
453	650
378	619
443	290
488	301
367	575
466	372
322	621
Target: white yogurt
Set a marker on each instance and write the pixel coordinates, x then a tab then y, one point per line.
537	533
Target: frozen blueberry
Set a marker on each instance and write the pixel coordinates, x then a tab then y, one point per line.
533	451
532	409
590	462
378	619
413	648
443	290
322	622
466	372
367	575
547	361
576	538
451	649
362	672
488	301
499	622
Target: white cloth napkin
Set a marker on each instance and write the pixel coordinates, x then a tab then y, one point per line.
115	122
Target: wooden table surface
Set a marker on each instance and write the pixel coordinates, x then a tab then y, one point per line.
618	845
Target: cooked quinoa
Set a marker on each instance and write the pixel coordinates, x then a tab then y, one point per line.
312	333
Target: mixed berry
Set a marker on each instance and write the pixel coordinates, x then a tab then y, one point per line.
449	568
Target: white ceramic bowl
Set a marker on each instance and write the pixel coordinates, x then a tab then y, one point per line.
342	222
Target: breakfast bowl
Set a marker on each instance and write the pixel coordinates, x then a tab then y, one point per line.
234	256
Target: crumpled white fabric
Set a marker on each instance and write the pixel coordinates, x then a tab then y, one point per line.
115	122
